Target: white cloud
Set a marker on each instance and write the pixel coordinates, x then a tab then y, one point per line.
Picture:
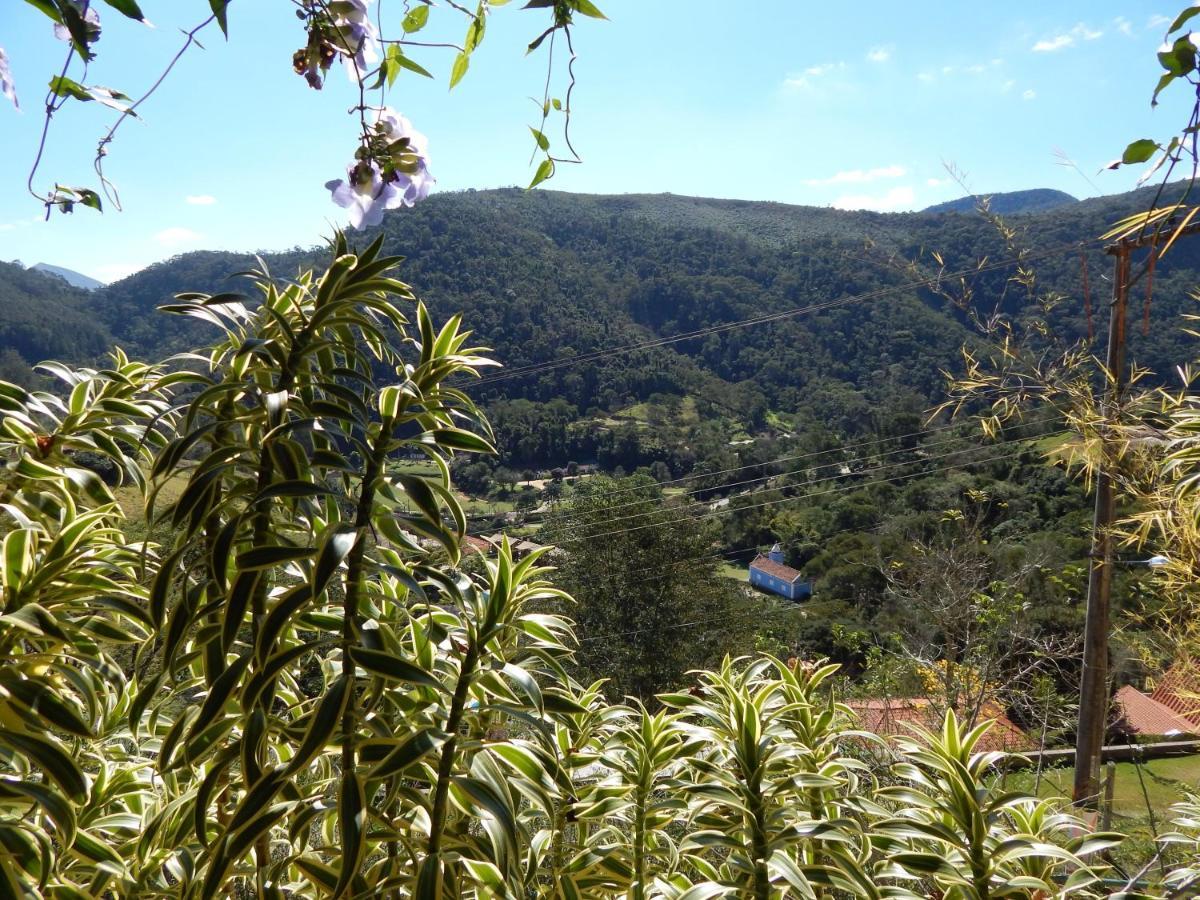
1007	86
859	176
931	75
896	198
201	199
937	182
1123	25
803	80
822	69
177	236
1054	43
1028	94
879	54
1158	21
1080	32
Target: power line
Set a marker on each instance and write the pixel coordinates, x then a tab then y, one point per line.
730	509
722	554
790	458
573	533
726	485
813	453
534	368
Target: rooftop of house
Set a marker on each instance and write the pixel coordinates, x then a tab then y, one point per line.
1173	707
477	544
1179	691
526	546
518	544
1142	714
896	717
775	569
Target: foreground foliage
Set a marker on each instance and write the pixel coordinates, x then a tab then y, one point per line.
301	695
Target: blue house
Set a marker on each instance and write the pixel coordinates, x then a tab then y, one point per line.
770	574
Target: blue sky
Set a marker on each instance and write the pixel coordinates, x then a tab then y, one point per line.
851	105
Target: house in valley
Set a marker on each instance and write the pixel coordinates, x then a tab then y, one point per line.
896	717
769	573
1172	708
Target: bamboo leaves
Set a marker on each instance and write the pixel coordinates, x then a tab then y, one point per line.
289	491
319	704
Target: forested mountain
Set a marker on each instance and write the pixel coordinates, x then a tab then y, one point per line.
43	317
545	276
840	363
1013	202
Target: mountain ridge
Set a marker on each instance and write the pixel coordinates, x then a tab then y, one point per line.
1008	203
543	274
70	276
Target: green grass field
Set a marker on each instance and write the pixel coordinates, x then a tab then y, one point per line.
475	506
738	573
414	467
1051	442
129	498
1166	781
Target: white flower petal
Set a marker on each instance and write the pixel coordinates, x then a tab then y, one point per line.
367	200
7	88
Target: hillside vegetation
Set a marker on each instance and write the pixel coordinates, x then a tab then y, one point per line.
809	429
544	275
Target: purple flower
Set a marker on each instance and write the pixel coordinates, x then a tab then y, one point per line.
400	178
6	82
364	193
412	169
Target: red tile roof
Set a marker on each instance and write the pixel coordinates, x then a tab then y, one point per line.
891	717
1179	691
479	545
777	570
1142	714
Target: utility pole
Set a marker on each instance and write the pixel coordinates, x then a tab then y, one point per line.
1093	689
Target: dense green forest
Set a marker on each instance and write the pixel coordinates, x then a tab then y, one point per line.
546	276
810	429
529	544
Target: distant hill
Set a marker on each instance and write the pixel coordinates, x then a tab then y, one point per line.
71	277
43	317
1036	200
544	274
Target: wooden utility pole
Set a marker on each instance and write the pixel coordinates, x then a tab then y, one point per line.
1093	689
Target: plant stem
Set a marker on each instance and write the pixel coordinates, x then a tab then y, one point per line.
354	579
437	822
